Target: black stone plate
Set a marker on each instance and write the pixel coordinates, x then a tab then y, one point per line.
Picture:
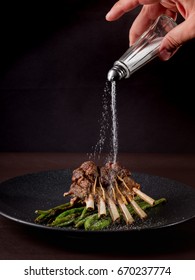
22	195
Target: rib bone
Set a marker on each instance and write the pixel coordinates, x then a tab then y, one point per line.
144	196
126	214
113	210
101	207
89	202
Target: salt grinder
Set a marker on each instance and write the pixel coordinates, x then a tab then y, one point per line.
144	50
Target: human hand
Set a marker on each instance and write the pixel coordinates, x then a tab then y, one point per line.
151	9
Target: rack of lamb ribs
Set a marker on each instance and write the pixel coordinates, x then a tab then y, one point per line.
110	187
99	197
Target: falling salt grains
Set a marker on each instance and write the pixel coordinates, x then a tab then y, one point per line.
114	122
108	125
104	124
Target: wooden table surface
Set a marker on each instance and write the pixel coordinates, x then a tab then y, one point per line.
19	241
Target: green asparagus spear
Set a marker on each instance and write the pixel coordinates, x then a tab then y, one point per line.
101	224
69	212
67	215
45	215
84	215
91	219
80	222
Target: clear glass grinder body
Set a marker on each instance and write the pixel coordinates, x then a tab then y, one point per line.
144	50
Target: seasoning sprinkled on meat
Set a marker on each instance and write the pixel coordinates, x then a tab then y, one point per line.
109	186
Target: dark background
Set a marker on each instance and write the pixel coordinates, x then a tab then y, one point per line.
54	60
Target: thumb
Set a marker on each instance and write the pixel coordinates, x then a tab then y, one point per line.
177	37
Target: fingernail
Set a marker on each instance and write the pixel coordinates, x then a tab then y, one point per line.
165	54
108	15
